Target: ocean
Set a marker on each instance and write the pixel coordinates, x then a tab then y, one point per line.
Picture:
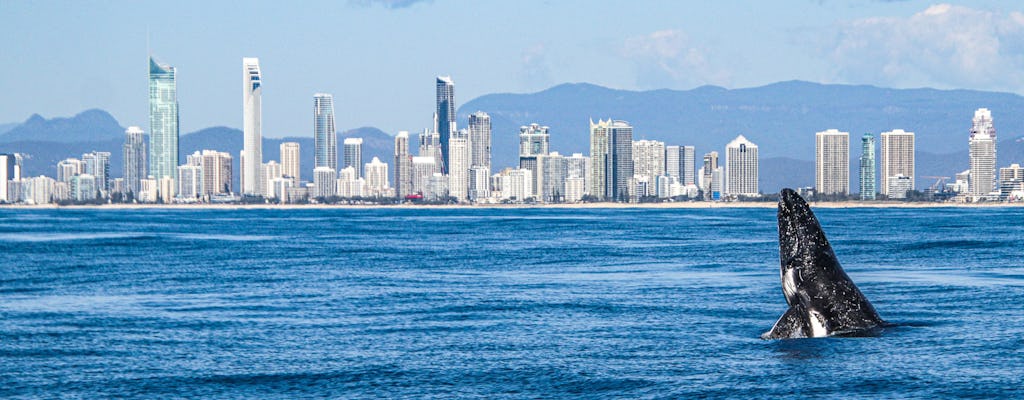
496	303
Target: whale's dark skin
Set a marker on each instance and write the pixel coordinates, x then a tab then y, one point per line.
822	299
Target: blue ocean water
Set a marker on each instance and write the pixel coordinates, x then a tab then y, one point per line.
496	303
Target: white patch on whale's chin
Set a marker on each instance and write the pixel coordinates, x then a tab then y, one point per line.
789	283
817	322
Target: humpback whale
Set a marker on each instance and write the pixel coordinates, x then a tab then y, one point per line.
822	299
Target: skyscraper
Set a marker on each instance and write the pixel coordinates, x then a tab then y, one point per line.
376	173
983	154
458	173
672	162
430	146
533	143
252	94
480	140
832	162
553	171
686	169
445	116
599	158
216	171
290	160
867	167
619	165
897	161
134	158
353	154
649	159
325	182
97	164
163	120
709	165
741	167
403	165
325	138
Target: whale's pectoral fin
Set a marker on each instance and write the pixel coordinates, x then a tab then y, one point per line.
791	325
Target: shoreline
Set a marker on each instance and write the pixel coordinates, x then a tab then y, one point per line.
676	205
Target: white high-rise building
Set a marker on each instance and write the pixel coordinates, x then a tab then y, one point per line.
376	178
252	149
983	154
598	158
290	160
269	171
897	159
832	162
516	184
649	159
403	165
353	154
578	166
40	190
672	162
423	167
458	171
552	170
216	171
479	183
97	164
190	183
741	167
325	182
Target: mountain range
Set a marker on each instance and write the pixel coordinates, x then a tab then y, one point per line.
780	118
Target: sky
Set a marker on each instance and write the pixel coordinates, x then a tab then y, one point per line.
380	57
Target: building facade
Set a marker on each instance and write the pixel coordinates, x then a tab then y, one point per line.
445	117
480	140
619	165
353	154
163	120
982	143
403	165
897	159
832	162
252	126
290	161
134	153
868	188
741	168
325	137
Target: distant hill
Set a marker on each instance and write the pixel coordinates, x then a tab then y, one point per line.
6	127
781	118
88	126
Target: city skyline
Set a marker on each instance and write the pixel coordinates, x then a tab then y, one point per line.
654	50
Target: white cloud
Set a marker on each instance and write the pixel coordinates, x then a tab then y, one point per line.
944	46
667	58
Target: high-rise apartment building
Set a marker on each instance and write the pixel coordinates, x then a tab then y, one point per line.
553	171
290	161
190	183
480	140
376	173
672	162
134	153
599	158
325	137
649	159
686	169
403	165
982	145
832	162
97	164
216	168
709	164
268	172
619	165
325	182
868	189
458	171
430	146
252	121
741	167
163	120
578	166
353	154
445	117
897	160
533	142
423	169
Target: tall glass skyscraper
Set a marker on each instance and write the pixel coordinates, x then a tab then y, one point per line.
325	138
982	144
867	167
445	116
252	152
163	120
620	160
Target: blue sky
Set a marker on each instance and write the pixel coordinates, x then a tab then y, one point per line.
379	58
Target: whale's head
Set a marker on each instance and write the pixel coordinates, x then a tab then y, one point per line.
801	241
